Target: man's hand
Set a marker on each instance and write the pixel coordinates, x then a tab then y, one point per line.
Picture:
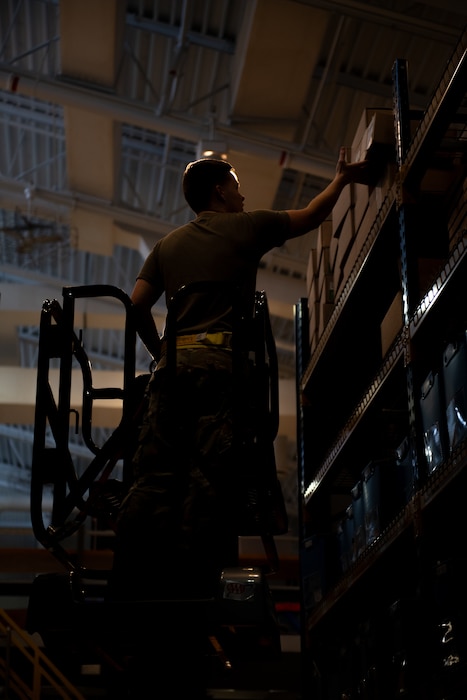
365	172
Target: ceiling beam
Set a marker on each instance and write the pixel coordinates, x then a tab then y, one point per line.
140	114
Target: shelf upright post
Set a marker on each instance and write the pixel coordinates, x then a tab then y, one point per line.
410	293
301	359
409	271
409	275
302	356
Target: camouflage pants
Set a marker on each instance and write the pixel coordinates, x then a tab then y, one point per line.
176	529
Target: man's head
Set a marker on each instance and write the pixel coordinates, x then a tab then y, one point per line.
211	184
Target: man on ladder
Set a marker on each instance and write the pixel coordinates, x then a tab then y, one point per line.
178	526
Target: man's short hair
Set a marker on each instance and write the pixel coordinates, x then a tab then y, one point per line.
200	178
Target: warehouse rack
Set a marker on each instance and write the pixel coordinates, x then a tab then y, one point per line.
391	620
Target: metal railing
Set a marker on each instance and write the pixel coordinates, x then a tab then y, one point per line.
25	670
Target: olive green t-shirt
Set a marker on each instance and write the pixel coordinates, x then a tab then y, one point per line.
215	247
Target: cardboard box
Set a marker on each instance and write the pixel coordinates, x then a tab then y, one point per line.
428	270
375	127
391	323
325	313
361	236
375	139
311	269
324	269
345	241
314	341
385	183
440	180
379	132
333	246
326	290
313	323
338	282
324	235
345	202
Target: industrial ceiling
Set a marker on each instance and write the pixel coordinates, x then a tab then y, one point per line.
102	104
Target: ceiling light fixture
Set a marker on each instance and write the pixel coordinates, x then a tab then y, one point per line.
212	149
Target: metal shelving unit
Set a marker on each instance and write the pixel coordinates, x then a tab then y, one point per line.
350	397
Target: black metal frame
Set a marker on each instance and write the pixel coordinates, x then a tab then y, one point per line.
77	497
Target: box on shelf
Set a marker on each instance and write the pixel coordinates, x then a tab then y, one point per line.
360	237
319	567
313	320
323	239
374	139
376	125
457	217
343	249
326	288
313	291
333	246
406	470
324	273
358	513
314	338
455	389
325	312
311	269
428	271
343	205
379	494
433	415
443	176
391	323
346	540
348	524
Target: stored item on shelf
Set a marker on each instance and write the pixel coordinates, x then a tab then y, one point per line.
391	323
360	238
313	322
333	247
323	239
345	540
318	565
428	271
433	420
326	309
325	277
376	126
374	140
358	518
345	202
344	246
406	470
446	171
326	288
457	224
349	526
455	389
379	497
342	547
311	269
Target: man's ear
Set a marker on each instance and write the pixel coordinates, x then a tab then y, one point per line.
220	193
